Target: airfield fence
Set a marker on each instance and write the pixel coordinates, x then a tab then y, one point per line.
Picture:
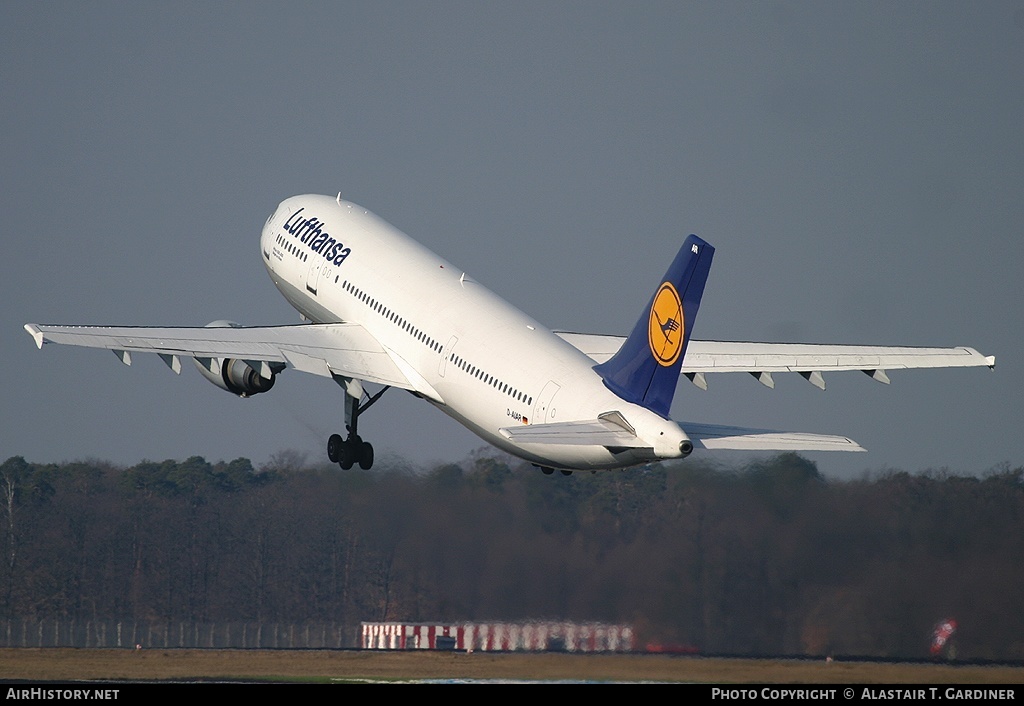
58	632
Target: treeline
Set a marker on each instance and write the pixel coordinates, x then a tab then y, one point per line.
767	559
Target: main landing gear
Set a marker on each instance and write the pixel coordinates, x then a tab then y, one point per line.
349	451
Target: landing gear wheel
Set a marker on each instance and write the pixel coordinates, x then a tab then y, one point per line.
334	446
566	472
546	471
366	455
349	452
347	459
352	451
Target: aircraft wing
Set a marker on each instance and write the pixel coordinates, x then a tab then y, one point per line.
322	349
714	437
808	359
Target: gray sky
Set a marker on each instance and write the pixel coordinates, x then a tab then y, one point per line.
858	166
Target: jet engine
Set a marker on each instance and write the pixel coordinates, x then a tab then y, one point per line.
236	376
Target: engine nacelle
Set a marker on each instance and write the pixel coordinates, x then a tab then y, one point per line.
235	376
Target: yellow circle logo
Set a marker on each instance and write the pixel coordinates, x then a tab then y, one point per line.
665	330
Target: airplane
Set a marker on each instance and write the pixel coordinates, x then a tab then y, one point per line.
380	308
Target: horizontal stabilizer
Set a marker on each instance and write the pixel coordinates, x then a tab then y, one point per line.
594	432
716	437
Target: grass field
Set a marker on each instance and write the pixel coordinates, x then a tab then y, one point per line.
323	666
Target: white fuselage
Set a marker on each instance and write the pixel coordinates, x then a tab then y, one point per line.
475	356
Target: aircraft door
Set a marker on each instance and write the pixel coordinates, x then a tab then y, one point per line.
313	276
544	410
446	353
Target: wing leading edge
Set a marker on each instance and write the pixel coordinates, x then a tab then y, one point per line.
328	350
808	359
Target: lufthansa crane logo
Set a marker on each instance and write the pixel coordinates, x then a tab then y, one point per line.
665	330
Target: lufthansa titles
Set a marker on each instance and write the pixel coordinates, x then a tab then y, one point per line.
310	232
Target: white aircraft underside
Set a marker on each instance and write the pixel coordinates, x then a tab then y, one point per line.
385	310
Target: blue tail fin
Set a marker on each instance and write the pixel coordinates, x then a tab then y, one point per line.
645	370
